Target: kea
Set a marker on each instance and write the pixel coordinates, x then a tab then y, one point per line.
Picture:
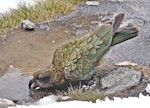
76	59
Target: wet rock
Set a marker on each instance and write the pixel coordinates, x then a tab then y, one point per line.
5	103
27	25
120	79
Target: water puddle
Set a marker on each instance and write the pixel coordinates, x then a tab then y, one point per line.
23	53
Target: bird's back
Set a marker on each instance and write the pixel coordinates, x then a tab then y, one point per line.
77	58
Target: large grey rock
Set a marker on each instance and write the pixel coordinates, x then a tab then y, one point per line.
120	79
14	84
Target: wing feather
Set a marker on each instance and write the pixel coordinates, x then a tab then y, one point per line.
78	57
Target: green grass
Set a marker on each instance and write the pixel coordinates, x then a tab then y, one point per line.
40	11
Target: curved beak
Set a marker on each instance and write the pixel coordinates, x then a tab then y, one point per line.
39	83
31	82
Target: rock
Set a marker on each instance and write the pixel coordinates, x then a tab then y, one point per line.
14	84
92	3
126	63
44	27
120	79
27	25
5	103
147	89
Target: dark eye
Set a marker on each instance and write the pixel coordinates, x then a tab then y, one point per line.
44	79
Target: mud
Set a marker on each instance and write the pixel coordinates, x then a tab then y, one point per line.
32	50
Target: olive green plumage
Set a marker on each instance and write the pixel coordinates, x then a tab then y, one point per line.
77	58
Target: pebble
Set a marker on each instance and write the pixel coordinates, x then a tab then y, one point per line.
147	89
53	41
44	27
5	103
92	3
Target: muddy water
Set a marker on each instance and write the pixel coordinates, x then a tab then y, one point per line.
27	52
32	50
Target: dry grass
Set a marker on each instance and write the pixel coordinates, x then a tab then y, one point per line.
40	11
82	95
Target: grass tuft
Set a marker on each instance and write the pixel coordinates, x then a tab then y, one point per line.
82	95
40	11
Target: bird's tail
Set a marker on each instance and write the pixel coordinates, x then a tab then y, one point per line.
124	34
116	21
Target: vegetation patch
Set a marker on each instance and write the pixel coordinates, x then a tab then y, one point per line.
82	95
39	11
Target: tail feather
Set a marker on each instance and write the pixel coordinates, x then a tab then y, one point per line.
124	34
116	21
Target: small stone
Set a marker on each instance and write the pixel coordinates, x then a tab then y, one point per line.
4	36
126	63
11	67
27	25
147	89
53	41
44	27
5	103
65	97
92	3
4	43
19	41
